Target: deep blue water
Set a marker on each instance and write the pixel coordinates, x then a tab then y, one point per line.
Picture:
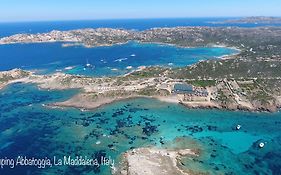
7	29
28	128
114	60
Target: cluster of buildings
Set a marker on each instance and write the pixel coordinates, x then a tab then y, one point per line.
37	38
190	92
83	35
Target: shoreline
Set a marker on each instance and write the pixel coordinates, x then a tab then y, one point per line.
108	101
87	99
75	103
74	43
69	38
71	103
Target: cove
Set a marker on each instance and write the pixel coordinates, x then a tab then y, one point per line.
113	60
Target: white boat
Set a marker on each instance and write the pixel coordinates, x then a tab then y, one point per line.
88	65
69	67
120	60
238	127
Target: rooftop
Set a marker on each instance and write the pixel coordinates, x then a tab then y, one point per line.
183	88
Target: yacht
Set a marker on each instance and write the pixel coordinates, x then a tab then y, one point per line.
88	65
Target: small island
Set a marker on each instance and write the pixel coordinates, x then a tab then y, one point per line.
252	20
153	161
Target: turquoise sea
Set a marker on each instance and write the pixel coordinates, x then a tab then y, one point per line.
28	128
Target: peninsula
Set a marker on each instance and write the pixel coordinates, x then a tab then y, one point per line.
249	80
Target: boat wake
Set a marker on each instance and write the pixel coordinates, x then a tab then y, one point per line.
120	60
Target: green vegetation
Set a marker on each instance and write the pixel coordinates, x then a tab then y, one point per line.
94	95
5	77
262	97
248	86
202	83
118	82
149	91
237	69
222	97
272	86
148	73
67	80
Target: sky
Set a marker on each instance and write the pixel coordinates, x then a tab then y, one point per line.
42	10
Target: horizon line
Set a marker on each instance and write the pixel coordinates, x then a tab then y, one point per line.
152	18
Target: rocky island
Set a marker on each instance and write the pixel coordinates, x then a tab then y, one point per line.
153	161
252	20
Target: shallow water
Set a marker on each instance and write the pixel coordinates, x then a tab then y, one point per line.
28	128
107	61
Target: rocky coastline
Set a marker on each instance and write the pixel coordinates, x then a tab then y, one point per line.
92	95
